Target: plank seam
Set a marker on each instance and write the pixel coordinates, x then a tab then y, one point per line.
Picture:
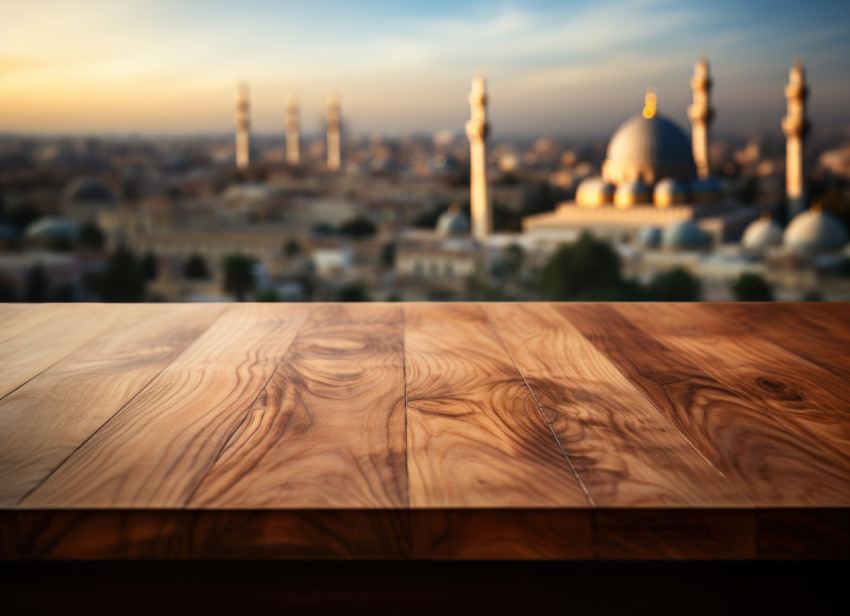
65	356
116	413
242	421
539	408
404	377
605	355
721	377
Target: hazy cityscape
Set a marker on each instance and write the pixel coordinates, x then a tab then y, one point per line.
665	206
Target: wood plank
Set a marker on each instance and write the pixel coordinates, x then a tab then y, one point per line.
329	429
623	449
807	399
304	534
53	331
772	464
45	420
502	533
675	534
175	533
476	438
11	316
822	534
798	328
157	449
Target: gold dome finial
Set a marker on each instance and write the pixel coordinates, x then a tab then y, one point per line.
651	103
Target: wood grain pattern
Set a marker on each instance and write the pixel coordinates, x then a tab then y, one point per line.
476	438
11	321
807	399
158	448
676	534
622	448
814	335
329	428
770	463
45	420
53	331
424	431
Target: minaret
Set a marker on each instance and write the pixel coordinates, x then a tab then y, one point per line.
701	115
243	126
293	152
333	133
477	130
795	126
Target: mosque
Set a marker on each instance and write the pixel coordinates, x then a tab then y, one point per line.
656	195
655	187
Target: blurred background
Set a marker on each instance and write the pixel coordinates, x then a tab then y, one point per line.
388	151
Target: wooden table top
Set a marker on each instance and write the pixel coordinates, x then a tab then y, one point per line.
456	431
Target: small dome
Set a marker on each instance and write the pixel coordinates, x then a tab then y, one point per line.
670	191
761	234
707	190
453	222
684	235
649	148
88	190
649	237
593	192
632	193
52	228
814	231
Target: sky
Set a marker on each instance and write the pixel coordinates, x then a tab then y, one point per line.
553	68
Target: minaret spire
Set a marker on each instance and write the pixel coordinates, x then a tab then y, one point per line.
334	156
477	130
795	125
701	115
243	127
293	151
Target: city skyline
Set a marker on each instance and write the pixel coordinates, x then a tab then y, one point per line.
551	67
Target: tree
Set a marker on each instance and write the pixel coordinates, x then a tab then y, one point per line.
388	251
269	295
292	248
91	236
750	287
238	275
7	291
353	293
359	227
149	266
121	279
36	289
22	216
676	285
512	259
586	270
196	268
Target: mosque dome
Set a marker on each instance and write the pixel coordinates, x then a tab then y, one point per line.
87	189
453	222
52	228
670	191
814	231
650	147
761	234
649	237
632	192
684	235
594	192
706	190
